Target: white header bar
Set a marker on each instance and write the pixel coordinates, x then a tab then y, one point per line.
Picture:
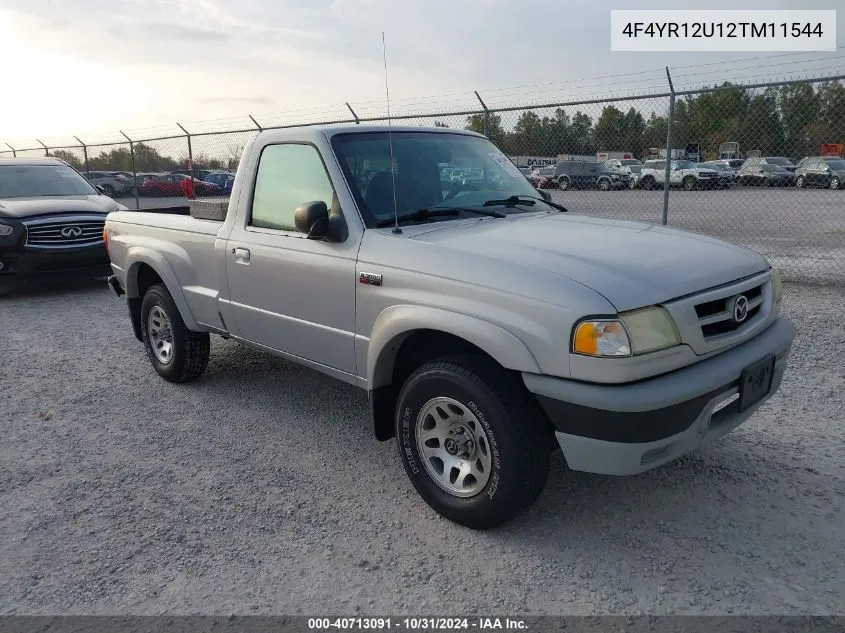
717	31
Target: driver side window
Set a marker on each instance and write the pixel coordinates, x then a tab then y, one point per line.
288	176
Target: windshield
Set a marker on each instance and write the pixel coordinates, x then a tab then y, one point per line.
32	181
479	172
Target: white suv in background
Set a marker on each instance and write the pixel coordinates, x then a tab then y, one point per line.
682	173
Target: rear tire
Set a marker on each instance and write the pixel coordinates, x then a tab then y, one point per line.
498	461
563	184
108	190
834	183
799	182
604	184
689	183
176	353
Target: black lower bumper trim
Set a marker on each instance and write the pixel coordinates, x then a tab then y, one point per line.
114	284
628	427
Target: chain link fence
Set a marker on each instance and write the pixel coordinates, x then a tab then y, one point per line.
758	165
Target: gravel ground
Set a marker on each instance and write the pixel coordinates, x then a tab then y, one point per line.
259	489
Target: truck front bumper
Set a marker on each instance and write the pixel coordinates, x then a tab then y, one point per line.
630	428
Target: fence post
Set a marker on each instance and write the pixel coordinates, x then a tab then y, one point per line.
190	152
486	112
354	116
134	171
14	153
667	172
258	125
84	155
46	149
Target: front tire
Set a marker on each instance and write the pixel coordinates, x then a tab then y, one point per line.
799	182
604	184
563	184
834	183
476	447
648	183
176	353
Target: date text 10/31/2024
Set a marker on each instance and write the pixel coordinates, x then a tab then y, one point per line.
416	624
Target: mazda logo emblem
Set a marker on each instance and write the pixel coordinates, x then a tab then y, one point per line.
72	231
740	311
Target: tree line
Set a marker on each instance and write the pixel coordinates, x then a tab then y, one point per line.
792	120
147	159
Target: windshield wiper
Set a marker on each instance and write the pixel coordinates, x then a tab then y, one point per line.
425	214
523	200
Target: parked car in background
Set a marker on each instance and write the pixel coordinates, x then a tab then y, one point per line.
625	164
198	174
821	171
636	172
726	174
162	185
764	175
542	177
223	179
578	174
780	161
113	183
682	173
51	223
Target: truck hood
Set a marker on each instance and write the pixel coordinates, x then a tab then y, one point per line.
631	264
20	208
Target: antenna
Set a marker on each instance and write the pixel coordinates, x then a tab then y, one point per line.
396	228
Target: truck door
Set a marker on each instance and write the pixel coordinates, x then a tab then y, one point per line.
287	292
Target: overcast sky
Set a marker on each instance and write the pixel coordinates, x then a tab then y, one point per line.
90	67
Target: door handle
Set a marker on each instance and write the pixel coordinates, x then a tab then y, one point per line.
241	255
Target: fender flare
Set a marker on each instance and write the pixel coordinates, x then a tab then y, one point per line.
396	323
138	255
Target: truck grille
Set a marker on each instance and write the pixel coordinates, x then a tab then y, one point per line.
65	232
730	313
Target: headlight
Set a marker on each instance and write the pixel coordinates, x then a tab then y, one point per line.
5	229
601	338
650	329
636	332
777	285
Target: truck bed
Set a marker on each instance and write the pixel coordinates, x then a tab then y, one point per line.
186	244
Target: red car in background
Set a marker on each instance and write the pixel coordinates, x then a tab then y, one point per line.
171	185
541	177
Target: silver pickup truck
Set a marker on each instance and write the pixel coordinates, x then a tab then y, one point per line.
488	326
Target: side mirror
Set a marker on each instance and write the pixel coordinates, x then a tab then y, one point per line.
314	219
545	195
100	190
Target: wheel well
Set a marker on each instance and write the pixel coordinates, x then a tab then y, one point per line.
416	349
145	277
